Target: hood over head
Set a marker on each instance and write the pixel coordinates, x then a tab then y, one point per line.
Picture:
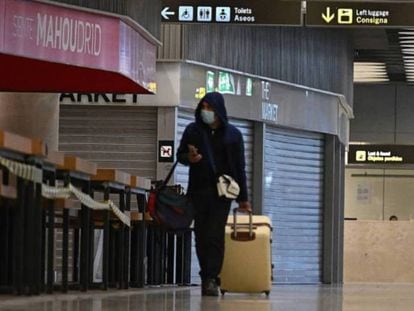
216	101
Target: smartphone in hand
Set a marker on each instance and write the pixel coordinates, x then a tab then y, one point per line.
193	155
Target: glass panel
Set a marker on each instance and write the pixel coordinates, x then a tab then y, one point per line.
364	190
399	194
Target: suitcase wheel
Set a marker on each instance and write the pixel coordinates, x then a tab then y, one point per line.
223	292
267	293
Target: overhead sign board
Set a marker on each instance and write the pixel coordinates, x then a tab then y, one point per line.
263	12
359	14
381	154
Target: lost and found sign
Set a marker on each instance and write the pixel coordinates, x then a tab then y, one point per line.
381	154
263	12
359	14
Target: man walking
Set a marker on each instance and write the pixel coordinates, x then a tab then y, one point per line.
211	146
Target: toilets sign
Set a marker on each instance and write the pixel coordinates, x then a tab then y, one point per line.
258	12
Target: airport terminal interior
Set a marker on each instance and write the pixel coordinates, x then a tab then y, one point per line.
95	98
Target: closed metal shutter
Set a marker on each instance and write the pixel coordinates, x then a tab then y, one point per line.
293	198
185	117
124	138
246	128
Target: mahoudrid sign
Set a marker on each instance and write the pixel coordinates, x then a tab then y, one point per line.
73	49
380	154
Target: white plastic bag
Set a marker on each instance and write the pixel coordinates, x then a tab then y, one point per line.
227	187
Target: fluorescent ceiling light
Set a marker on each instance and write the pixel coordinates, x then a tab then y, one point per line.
369	64
377	70
370	72
371	80
369	67
406	39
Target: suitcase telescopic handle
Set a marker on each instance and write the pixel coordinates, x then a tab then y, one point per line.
235	210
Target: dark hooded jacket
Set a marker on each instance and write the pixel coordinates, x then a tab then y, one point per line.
196	133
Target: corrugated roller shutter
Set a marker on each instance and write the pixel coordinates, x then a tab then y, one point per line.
119	137
293	198
181	174
246	128
124	138
184	118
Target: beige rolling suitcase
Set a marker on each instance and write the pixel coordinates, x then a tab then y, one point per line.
247	263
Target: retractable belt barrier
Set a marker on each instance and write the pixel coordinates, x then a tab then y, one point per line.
34	174
21	170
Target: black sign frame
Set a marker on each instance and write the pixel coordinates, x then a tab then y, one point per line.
164	147
364	14
380	154
258	12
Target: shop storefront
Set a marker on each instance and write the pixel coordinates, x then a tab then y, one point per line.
295	139
47	48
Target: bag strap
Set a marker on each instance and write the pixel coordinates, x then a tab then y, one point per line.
210	153
167	179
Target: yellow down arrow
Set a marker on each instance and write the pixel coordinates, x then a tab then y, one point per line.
328	17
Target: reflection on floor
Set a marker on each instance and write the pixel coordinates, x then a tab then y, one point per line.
366	297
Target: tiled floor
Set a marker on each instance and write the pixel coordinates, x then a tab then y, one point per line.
364	297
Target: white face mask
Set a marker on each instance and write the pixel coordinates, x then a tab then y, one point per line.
207	116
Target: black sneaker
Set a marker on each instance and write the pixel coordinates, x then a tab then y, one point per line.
210	288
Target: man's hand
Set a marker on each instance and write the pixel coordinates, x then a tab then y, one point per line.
245	206
193	155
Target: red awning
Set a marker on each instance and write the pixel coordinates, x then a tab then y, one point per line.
22	74
49	48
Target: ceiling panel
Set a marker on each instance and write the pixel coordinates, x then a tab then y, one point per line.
381	46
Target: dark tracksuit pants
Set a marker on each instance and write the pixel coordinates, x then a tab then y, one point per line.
209	227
